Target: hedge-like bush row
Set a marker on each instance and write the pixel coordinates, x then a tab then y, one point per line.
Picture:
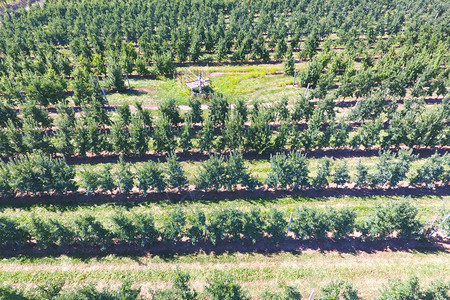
223	286
136	133
33	174
228	223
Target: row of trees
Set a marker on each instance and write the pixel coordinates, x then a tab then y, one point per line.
393	219
420	75
224	286
31	63
93	104
195	28
40	174
259	130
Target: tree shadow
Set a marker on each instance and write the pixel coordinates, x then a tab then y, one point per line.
169	252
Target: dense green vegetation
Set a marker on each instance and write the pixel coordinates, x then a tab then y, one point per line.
259	129
37	174
45	229
60	60
49	48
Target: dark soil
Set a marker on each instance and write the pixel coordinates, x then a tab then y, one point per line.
258	193
349	102
266	245
200	156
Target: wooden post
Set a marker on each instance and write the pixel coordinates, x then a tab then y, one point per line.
206	232
118	185
129	86
295	75
307	89
104	94
20	93
289	225
416	85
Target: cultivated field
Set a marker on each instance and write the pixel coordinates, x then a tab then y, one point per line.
224	149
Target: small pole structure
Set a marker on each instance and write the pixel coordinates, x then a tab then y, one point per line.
307	89
118	185
295	76
129	86
20	93
206	232
104	94
311	296
437	228
382	58
200	81
289	225
434	220
417	84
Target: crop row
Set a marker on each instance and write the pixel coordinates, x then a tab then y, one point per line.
248	33
138	228
95	132
37	174
224	286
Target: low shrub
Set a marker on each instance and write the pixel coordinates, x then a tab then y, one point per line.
310	223
393	217
339	290
224	287
288	171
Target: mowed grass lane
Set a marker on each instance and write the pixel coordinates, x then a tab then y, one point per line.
308	270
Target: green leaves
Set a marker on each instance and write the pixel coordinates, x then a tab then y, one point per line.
150	175
391	168
119	225
38	173
164	135
46	89
392	218
216	173
224	287
432	170
114	79
288	171
124	176
175	174
212	174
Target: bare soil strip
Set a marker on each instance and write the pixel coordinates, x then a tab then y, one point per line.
194	195
351	245
342	103
196	155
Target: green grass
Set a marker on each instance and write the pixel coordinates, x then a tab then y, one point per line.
261	167
427	206
308	270
252	82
